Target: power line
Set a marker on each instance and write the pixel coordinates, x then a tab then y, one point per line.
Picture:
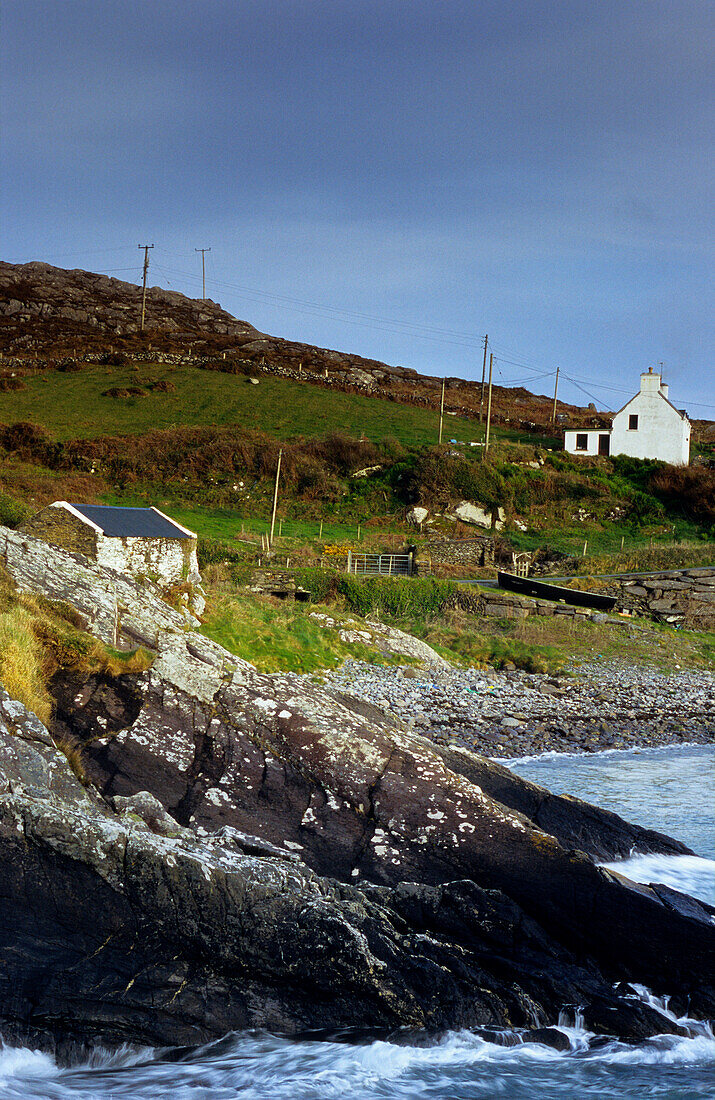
416	328
406	328
394	326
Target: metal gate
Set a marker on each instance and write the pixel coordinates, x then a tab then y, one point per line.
371	565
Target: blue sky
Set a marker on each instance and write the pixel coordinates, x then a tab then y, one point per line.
390	177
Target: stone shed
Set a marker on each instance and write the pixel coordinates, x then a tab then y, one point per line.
140	541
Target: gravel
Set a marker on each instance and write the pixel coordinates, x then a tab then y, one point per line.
511	714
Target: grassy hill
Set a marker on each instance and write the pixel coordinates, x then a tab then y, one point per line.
74	405
200	438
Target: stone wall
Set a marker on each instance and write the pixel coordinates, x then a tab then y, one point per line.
681	597
684	596
60	528
165	561
473	551
498	604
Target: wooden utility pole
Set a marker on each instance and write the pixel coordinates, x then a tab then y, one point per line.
556	390
484	371
203	252
441	412
146	248
489	403
275	497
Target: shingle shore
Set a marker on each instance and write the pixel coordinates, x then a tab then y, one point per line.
510	714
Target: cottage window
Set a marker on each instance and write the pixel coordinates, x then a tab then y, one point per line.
633	422
581	441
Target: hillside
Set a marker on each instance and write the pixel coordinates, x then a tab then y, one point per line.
192	413
50	313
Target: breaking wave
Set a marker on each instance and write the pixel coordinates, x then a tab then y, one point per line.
457	1066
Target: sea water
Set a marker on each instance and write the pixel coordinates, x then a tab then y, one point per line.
671	790
666	789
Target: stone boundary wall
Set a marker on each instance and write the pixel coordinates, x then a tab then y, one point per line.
673	596
498	604
680	597
478	550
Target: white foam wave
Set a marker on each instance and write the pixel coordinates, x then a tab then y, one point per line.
664	1050
692	875
23	1062
581	755
265	1067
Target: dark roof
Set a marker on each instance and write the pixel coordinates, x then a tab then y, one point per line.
131	522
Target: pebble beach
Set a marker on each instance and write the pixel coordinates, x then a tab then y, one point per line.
513	714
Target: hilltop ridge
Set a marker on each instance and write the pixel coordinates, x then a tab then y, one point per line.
48	311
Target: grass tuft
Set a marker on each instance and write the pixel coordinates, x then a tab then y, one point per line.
21	662
39	637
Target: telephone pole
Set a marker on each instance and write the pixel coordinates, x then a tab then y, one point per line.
275	499
489	403
441	412
203	252
484	368
146	248
556	390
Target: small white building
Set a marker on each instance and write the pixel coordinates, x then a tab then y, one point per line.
647	426
139	541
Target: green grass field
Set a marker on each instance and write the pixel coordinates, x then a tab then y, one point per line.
227	525
72	406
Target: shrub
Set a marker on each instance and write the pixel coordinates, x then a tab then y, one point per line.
689	490
29	441
345	455
12	512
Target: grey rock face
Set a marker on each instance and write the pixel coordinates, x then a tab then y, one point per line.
112	932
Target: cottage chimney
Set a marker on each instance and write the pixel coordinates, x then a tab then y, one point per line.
664	389
650	382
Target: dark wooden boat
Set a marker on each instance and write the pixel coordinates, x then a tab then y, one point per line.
526	586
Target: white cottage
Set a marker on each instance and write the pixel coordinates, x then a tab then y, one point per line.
139	541
647	426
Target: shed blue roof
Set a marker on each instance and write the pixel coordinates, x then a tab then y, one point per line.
131	522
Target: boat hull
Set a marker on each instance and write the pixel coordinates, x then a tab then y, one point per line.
526	586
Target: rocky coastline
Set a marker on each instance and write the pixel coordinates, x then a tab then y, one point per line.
218	849
594	708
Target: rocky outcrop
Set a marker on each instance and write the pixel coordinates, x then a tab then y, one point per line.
388	639
475	514
429	888
118	927
38	301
